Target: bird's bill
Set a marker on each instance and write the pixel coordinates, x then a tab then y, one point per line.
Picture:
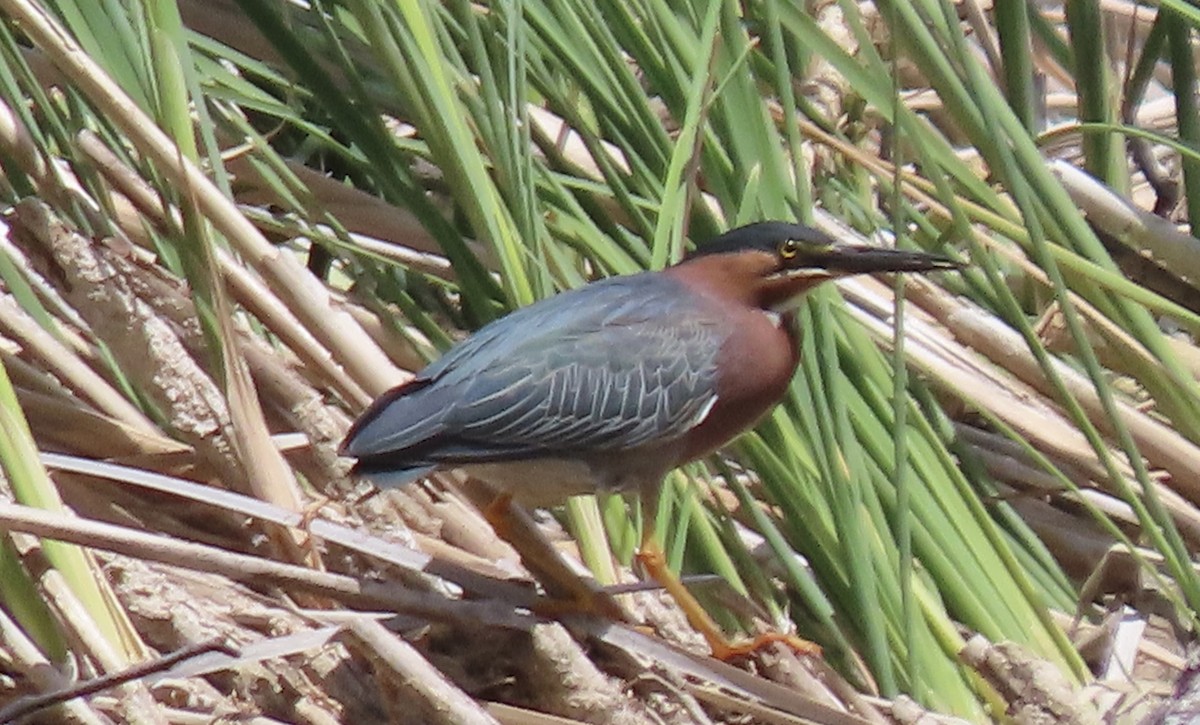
838	261
815	265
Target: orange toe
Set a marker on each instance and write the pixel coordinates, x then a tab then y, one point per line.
725	650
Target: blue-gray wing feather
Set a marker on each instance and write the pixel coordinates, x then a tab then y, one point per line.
614	365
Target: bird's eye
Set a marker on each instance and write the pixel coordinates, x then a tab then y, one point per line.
789	248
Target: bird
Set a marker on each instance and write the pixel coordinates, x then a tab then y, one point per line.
610	386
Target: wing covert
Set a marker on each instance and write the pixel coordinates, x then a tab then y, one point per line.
613	365
628	383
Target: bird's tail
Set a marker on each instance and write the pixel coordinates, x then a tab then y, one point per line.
386	477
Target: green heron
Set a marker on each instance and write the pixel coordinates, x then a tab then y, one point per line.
610	386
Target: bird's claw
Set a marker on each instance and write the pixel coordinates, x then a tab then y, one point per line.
653	560
725	650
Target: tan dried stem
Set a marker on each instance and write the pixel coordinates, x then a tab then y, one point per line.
32	664
150	351
137	705
363	361
302	406
246	287
1163	447
55	357
358	593
416	689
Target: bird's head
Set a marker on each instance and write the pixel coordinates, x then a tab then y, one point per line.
772	264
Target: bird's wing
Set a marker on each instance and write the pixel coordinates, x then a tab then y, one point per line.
611	366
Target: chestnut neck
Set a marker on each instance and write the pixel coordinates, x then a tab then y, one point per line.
746	279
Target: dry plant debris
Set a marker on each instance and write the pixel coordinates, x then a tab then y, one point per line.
414	610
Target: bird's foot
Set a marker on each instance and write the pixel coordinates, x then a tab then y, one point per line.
569	592
597	603
499	514
652	559
725	650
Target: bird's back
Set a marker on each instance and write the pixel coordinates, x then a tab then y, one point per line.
610	367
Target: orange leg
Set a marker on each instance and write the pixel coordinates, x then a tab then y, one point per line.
498	514
569	593
652	558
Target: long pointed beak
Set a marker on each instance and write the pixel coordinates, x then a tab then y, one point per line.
850	259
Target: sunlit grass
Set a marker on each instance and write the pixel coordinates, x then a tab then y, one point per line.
536	146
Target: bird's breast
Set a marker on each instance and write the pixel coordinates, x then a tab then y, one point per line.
756	363
549	480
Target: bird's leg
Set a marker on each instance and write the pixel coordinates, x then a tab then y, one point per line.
655	562
499	515
568	591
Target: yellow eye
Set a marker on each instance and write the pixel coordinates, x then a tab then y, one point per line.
789	248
